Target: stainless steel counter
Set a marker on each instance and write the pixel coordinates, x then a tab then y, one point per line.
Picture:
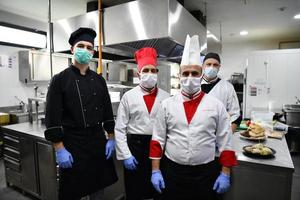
34	129
282	156
43	152
251	179
256	178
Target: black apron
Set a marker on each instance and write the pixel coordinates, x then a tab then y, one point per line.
90	171
138	184
184	182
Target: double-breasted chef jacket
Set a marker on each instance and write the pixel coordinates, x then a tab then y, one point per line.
133	131
224	91
134	117
193	132
78	112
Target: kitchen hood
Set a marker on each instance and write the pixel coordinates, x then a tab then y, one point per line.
162	24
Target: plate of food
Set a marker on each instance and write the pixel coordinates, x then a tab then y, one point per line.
259	151
254	132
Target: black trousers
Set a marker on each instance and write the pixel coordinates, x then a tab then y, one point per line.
138	184
185	182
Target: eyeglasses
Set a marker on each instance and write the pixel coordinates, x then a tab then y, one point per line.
152	70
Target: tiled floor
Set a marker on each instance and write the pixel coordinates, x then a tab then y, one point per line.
13	194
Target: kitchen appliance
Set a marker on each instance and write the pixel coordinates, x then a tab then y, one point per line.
272	79
292	114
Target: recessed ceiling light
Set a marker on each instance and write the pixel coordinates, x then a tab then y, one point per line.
244	33
297	16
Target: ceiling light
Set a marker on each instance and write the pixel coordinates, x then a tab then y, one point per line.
244	33
297	16
22	37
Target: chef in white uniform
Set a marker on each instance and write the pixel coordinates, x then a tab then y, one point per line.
192	136
133	131
220	88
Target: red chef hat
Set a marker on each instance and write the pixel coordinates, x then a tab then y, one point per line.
145	56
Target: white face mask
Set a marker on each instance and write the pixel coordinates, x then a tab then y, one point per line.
190	85
148	80
211	72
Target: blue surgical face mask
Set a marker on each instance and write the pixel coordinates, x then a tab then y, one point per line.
82	56
211	72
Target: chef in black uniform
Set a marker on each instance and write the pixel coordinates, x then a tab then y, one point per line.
78	113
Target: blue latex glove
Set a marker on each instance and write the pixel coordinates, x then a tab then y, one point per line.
110	148
64	158
130	163
222	183
157	180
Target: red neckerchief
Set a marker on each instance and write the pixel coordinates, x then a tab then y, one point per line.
150	98
191	106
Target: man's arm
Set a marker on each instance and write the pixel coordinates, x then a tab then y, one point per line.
53	117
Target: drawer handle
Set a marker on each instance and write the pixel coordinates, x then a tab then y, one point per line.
11	161
11	150
11	139
11	158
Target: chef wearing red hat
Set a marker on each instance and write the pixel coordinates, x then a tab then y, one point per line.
133	130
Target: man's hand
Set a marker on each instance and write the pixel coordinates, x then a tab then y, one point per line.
157	180
63	158
222	183
110	148
130	163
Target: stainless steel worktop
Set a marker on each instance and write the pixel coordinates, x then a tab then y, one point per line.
282	156
35	129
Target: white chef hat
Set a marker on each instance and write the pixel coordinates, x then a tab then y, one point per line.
191	52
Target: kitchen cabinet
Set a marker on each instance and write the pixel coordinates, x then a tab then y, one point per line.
48	189
43	172
35	65
29	162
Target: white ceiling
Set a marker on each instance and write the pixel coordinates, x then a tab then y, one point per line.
261	18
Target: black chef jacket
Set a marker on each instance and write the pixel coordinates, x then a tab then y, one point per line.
78	110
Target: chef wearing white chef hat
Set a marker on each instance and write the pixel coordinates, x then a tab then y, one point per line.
192	135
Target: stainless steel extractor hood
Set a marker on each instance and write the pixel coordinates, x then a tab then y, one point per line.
162	24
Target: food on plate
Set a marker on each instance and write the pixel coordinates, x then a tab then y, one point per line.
259	149
254	131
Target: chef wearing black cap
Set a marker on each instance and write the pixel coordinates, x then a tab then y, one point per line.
78	112
219	88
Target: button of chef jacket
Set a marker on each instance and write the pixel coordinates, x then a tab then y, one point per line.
88	125
84	110
96	108
94	93
98	123
92	79
81	95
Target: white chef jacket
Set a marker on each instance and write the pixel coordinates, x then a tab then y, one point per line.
208	134
134	118
224	91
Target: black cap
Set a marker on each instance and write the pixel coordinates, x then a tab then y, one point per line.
82	34
212	55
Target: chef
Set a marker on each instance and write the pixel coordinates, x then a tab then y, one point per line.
191	129
135	119
78	113
221	89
